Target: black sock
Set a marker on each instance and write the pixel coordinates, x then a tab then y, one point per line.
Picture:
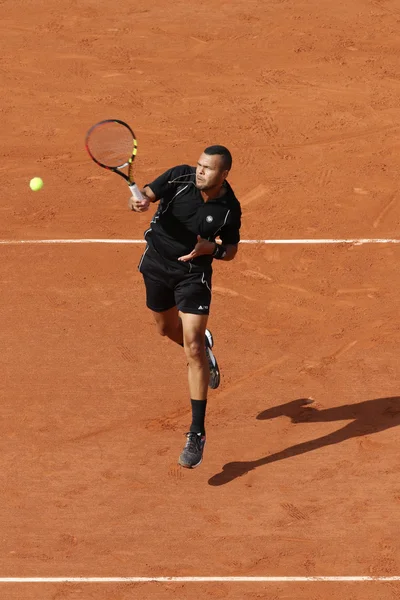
198	416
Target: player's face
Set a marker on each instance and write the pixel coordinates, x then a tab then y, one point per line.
210	172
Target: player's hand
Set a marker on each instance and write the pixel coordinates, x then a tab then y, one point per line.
139	205
202	247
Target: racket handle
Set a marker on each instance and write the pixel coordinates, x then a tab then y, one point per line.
136	193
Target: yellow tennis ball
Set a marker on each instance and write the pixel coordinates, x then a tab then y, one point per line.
36	184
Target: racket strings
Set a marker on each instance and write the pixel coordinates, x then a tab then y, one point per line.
111	144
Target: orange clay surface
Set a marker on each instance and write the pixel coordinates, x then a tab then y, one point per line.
94	404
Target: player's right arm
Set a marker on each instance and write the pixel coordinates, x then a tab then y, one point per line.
163	187
142	205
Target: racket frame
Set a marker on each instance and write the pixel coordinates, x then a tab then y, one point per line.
128	178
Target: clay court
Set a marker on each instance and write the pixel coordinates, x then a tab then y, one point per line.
95	403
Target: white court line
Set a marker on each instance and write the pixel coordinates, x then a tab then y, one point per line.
355	241
194	579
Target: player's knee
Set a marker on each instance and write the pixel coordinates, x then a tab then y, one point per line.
194	350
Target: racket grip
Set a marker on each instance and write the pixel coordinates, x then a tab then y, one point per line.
136	193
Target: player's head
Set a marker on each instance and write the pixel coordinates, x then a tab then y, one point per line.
213	167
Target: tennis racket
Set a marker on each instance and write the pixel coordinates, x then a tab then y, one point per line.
113	146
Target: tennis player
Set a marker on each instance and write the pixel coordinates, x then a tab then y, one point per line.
196	207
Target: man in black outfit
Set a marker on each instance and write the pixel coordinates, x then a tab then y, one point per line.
196	206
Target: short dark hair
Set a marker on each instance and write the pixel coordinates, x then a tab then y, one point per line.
221	151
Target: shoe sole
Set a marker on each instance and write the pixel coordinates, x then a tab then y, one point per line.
209	338
190	466
212	362
215	377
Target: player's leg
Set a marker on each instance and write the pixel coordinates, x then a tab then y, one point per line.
169	323
193	296
194	327
161	301
160	297
193	299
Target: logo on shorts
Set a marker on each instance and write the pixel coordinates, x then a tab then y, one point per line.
203	308
209	219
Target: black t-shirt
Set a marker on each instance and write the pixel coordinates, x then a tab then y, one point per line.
182	215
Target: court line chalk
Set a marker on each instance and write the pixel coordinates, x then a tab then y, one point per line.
254	579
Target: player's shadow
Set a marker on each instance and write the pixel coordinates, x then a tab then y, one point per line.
366	417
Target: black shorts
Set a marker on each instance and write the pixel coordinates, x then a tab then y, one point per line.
168	285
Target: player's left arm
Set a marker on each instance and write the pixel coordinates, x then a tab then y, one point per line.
230	251
229	236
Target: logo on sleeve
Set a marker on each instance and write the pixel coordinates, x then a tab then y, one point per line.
209	219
